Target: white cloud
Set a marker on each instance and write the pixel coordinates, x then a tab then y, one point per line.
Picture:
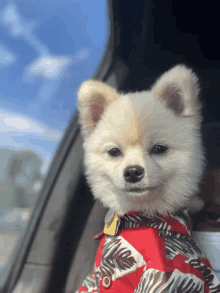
13	126
10	14
6	57
48	67
52	67
18	27
16	123
12	19
83	54
21	125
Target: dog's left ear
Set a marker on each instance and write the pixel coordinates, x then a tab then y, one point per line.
179	88
93	99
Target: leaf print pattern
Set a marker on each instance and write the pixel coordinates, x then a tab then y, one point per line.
89	283
119	258
172	234
183	217
131	221
209	275
184	245
98	277
115	256
136	220
187	247
155	281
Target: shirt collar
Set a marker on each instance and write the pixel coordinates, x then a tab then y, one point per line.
178	223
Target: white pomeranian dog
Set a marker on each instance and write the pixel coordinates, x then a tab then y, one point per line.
144	160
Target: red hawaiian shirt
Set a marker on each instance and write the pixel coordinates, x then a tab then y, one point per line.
151	255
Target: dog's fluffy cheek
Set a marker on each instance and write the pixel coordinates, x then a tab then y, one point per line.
178	161
109	170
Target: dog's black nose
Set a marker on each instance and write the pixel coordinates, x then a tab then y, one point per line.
133	174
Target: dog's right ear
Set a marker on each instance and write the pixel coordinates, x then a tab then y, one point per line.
93	99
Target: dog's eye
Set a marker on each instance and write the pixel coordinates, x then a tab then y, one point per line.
114	152
159	149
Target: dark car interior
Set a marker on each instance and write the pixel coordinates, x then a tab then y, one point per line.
146	38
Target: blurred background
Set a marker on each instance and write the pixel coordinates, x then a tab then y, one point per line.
47	48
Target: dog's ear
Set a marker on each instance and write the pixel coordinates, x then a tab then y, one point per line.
93	99
179	88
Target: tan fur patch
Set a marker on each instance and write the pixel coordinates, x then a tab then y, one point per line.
124	121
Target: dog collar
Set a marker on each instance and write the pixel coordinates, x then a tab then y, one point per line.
178	223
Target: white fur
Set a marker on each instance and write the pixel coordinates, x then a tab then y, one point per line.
134	123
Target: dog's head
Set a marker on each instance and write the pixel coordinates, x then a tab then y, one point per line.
143	150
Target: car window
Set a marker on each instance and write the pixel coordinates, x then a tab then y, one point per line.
47	48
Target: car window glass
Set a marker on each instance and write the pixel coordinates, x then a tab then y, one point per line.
47	48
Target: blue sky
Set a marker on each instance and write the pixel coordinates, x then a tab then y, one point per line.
47	48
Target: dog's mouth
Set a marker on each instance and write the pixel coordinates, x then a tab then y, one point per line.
140	190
